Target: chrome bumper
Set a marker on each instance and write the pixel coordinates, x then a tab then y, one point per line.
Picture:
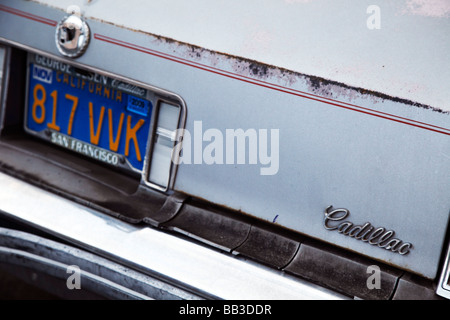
182	266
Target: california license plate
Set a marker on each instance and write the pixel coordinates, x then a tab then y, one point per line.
92	114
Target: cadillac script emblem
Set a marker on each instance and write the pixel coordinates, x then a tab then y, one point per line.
334	220
72	36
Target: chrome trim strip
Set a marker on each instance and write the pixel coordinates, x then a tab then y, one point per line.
152	251
443	288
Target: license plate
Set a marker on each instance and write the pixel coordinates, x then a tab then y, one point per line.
92	114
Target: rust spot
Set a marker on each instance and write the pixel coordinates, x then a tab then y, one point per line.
258	70
328	88
261	71
278	76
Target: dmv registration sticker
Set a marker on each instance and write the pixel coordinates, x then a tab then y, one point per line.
92	114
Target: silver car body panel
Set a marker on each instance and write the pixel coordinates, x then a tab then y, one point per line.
366	130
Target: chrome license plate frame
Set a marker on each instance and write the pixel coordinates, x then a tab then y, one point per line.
92	114
145	103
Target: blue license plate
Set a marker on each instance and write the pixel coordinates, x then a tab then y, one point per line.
93	115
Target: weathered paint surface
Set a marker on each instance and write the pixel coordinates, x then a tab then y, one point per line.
272	74
406	58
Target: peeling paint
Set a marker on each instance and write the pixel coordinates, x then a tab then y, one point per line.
264	72
238	65
288	77
279	76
